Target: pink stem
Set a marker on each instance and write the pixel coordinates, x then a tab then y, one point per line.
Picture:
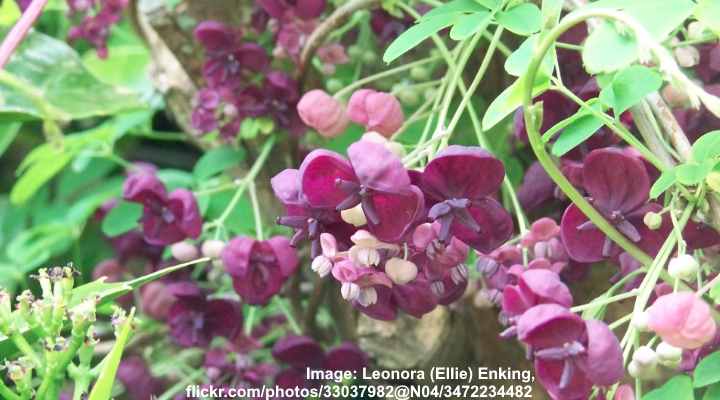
18	32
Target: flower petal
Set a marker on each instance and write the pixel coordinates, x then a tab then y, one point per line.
549	325
378	168
615	180
286	255
496	226
298	351
582	245
236	255
318	173
603	362
397	213
462	172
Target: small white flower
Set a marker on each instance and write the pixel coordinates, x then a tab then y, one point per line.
354	216
683	267
364	255
640	321
400	271
350	291
367	297
645	356
669	355
322	265
184	251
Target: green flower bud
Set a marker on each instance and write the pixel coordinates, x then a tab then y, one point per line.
683	267
369	57
409	97
669	355
334	85
419	73
355	52
652	220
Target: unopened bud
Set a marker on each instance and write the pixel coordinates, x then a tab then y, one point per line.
687	56
645	356
354	216
400	271
640	321
683	267
641	372
669	355
212	248
184	251
652	220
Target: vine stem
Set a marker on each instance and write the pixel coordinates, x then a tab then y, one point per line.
20	30
364	81
532	124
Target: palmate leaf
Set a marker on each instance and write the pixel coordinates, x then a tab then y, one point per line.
707	371
679	387
45	79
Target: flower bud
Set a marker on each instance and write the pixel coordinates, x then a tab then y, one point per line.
212	248
367	296
640	321
323	113
624	392
645	356
334	85
669	355
641	372
354	216
184	251
652	220
683	267
83	313
321	265
350	291
409	96
369	57
687	56
400	271
419	73
377	111
682	319
696	30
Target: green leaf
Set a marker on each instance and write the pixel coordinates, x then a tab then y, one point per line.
629	86
576	132
34	246
677	388
518	61
706	146
606	50
712	393
216	161
509	100
9	13
36	176
469	24
122	218
125	65
707	371
663	183
49	81
524	19
8	131
455	7
659	21
416	34
102	389
693	173
708	13
175	178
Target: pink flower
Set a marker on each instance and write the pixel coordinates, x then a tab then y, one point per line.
624	392
682	320
377	111
322	112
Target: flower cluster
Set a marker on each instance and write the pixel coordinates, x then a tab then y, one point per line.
96	19
395	239
230	71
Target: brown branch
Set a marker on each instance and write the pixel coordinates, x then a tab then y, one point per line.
337	18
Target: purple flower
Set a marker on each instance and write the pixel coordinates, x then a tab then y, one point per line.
535	286
374	177
281	96
618	186
225	109
97	17
307	221
536	189
259	268
227	59
458	183
166	219
195	321
570	355
135	376
284	9
708	68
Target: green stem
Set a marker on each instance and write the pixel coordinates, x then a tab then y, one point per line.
7	393
605	301
364	81
280	302
532	125
257	216
250	320
22	344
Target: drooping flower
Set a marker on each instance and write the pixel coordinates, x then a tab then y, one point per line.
280	98
195	321
259	268
618	187
167	218
322	112
570	355
228	60
374	178
377	111
682	319
458	183
535	286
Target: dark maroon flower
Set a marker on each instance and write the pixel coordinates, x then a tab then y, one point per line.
535	286
618	187
135	376
708	68
299	352
96	20
228	60
696	122
225	109
345	357
195	321
374	177
387	27
156	300
458	183
281	95
132	245
571	355
536	188
259	268
166	219
283	9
